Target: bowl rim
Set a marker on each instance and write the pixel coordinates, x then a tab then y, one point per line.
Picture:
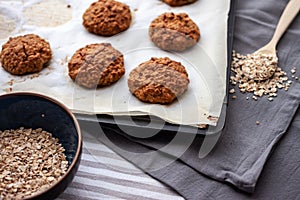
76	123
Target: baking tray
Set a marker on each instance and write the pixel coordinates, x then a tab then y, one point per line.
144	123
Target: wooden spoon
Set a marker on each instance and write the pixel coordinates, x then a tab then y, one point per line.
287	16
268	52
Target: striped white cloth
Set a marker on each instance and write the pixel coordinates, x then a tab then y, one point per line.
103	174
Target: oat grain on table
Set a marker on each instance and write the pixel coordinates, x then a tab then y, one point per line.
25	54
174	32
107	17
96	65
158	80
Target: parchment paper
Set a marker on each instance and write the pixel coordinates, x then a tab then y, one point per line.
206	63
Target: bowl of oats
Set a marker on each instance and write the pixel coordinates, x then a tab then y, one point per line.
40	146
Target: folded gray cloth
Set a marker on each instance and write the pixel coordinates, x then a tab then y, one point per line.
280	178
244	146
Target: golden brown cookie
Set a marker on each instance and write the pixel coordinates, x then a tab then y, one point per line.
107	17
159	80
25	54
174	32
178	2
96	65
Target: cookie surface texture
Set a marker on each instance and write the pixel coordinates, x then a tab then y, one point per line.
159	80
107	17
96	65
179	2
174	32
25	54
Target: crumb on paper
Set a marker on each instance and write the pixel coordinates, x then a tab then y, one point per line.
64	60
213	119
8	90
36	75
32	161
11	82
202	126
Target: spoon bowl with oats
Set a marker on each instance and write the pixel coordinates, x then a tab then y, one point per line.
262	64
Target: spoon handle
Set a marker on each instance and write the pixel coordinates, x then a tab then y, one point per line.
287	16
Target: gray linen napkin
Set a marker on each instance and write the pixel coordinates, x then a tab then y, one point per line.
244	147
280	178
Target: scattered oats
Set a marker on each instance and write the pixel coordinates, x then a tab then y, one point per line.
279	85
286	88
294	70
64	60
232	91
247	98
257	122
254	97
259	92
25	166
296	78
270	98
234	97
257	74
258	66
273	90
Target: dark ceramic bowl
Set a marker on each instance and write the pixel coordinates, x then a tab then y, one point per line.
31	110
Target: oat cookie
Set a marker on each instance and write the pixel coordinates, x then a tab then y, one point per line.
96	65
174	32
107	17
179	2
25	54
159	80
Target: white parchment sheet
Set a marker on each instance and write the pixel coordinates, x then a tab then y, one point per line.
60	23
